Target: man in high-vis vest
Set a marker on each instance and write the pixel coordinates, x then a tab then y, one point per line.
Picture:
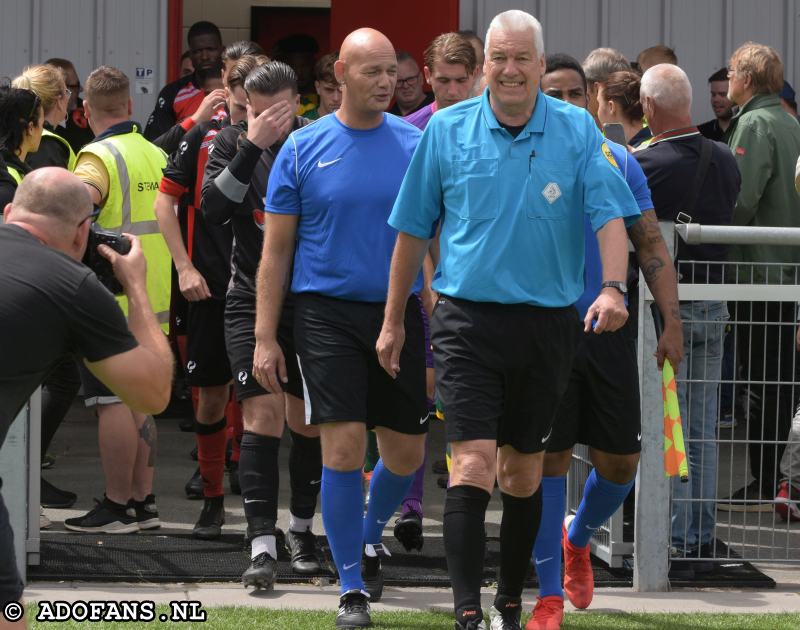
122	171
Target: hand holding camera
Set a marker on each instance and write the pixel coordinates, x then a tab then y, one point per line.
117	260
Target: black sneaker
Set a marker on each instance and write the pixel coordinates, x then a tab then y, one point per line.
748	499
305	552
373	573
470	619
408	530
212	518
52	497
233	478
106	517
505	614
261	573
354	610
145	512
194	487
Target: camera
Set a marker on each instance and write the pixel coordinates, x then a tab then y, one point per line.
95	261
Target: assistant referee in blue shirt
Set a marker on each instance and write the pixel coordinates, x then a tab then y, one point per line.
509	176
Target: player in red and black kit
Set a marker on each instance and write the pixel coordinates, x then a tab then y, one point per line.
178	100
201	253
233	191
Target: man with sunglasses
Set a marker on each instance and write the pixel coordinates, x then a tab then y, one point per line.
53	307
408	93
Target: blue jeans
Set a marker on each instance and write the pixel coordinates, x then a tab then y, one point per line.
698	388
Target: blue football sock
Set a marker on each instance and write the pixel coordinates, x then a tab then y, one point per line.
601	498
342	504
386	492
547	551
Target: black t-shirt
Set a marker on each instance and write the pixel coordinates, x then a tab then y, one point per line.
51	307
670	167
209	244
712	130
425	101
247	163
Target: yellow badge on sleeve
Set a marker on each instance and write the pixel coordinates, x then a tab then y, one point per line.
609	156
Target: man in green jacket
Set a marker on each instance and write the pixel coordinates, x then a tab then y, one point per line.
766	142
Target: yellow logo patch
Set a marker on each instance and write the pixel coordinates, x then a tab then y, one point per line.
609	156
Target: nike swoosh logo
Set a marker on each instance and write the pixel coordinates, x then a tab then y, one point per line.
255	501
321	164
547	437
423	420
638	437
349	566
544	560
380	522
590	527
315	482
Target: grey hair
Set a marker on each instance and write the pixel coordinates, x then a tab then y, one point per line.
603	62
516	21
669	87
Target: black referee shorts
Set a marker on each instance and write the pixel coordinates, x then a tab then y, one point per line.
601	407
206	357
336	346
240	340
501	369
11	585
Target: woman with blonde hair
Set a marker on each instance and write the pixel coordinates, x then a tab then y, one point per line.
47	82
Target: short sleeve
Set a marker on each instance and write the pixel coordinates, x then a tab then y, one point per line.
98	326
91	170
283	187
606	195
419	203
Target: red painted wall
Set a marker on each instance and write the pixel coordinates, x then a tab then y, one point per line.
409	24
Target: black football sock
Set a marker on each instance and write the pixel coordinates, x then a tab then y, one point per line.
258	476
305	474
464	547
518	530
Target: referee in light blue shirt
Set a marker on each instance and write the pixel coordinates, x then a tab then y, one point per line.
509	176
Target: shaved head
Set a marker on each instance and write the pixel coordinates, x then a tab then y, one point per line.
362	43
53	193
367	69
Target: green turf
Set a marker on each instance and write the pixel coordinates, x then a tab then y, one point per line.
242	618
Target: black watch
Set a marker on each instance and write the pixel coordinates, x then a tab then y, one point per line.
613	284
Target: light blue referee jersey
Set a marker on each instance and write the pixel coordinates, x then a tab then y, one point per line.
511	209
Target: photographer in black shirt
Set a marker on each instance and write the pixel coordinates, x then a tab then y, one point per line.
53	306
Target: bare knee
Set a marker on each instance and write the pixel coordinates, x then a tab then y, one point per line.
296	417
519	474
557	464
211	403
402	454
264	414
343	445
619	469
473	468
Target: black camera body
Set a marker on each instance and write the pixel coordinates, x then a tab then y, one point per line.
95	261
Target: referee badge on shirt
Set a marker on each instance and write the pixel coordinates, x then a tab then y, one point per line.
551	192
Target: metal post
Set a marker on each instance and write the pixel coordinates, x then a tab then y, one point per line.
652	524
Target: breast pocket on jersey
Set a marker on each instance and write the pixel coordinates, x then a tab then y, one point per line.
550	189
477	179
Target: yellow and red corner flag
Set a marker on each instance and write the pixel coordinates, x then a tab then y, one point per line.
674	451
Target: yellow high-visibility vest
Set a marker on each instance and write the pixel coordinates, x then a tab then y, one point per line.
71	159
135	168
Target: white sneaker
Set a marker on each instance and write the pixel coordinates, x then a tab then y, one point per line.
44	522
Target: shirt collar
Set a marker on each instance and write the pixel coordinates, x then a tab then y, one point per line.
675	134
129	126
535	123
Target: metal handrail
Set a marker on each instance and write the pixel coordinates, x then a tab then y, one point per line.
697	234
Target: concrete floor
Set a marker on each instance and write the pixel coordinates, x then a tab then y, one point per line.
77	468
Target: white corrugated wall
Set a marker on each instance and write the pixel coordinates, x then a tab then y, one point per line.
123	33
703	33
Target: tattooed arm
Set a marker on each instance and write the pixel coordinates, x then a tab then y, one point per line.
659	273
